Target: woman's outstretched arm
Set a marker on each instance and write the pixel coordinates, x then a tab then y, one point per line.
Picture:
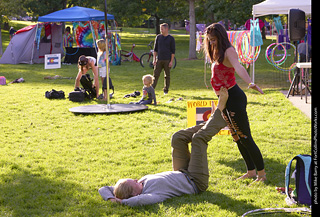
232	56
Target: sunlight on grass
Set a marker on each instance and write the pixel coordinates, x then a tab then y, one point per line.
52	162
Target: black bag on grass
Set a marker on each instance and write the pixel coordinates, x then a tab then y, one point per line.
77	95
53	94
86	83
88	89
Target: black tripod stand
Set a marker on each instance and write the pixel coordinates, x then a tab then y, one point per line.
294	87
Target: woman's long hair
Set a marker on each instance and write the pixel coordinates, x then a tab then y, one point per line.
216	53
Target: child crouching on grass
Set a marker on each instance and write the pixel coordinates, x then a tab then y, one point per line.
148	93
102	64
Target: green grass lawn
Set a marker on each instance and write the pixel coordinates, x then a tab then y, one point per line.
53	162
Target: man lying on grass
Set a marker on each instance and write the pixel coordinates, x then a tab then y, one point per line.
190	175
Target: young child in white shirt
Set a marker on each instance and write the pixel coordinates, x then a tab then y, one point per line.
102	64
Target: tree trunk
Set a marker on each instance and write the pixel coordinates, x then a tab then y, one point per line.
0	41
263	32
157	24
192	39
64	6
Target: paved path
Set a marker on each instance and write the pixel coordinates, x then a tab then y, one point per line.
300	103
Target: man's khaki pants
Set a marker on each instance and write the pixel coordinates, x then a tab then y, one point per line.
196	163
162	64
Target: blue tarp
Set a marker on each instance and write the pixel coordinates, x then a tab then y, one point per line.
74	14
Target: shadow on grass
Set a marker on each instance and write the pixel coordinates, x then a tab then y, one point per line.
173	110
226	203
26	193
274	169
199	202
23	193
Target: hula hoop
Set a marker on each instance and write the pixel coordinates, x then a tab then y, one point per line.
293	66
241	42
289	74
65	51
72	53
245	49
284	58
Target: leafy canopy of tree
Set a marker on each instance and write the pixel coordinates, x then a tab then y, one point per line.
136	12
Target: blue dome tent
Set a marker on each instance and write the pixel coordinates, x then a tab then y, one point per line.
74	14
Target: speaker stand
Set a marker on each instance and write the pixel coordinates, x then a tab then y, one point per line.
295	81
294	87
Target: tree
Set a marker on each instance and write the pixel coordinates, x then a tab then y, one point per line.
36	8
168	10
192	39
128	12
136	12
7	9
237	11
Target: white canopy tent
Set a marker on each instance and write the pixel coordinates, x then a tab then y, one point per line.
278	7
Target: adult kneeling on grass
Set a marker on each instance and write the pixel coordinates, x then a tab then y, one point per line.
84	64
190	175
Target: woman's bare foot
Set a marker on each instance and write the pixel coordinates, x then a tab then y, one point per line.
249	175
261	177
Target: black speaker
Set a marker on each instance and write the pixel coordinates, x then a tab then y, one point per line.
297	24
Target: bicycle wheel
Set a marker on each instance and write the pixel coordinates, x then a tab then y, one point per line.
146	59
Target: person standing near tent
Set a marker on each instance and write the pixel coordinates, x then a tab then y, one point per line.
163	56
67	38
225	63
11	32
84	64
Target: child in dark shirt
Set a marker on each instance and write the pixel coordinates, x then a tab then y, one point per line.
148	93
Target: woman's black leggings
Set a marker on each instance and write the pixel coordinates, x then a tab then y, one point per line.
236	116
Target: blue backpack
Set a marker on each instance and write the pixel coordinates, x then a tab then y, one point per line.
302	178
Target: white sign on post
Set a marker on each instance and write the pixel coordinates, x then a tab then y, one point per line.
52	61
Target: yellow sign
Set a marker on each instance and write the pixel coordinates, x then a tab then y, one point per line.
199	111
